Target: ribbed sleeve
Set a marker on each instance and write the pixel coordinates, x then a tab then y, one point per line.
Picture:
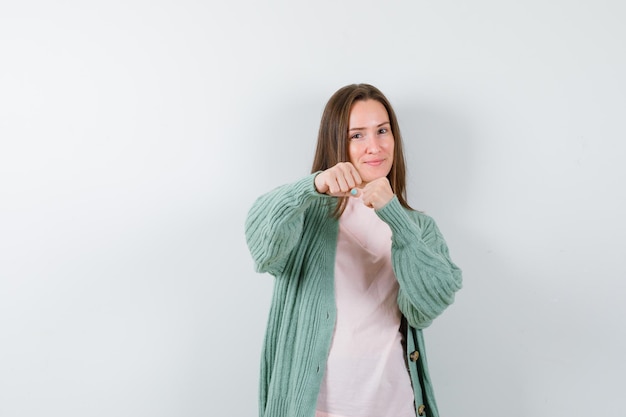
427	276
274	224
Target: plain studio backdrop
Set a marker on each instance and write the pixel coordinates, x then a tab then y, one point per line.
135	136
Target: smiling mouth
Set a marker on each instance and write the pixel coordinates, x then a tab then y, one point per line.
375	162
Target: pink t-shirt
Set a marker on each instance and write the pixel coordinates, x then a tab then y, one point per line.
366	375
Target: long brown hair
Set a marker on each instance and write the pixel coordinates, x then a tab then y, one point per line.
332	138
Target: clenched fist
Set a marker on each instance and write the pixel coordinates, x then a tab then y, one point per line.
338	180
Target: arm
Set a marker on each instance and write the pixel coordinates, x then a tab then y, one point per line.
274	224
427	276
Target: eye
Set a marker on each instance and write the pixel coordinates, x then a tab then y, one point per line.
383	130
356	136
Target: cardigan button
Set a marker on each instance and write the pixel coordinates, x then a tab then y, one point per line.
421	409
414	356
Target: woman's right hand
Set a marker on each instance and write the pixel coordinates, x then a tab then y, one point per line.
338	180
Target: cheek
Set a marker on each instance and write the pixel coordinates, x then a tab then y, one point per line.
353	153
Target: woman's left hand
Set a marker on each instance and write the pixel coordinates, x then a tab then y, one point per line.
376	194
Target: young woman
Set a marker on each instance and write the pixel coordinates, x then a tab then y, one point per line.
358	274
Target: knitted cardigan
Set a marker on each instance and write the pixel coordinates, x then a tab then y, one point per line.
292	235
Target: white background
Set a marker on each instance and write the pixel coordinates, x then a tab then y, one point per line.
135	135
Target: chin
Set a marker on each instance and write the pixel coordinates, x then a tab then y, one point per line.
374	174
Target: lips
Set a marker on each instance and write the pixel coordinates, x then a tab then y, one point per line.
374	162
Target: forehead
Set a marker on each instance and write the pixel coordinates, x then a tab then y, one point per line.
368	112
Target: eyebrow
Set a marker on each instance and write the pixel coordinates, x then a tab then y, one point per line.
362	128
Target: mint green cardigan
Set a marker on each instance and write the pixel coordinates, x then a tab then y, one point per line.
292	235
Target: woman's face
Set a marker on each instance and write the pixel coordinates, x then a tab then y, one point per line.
370	141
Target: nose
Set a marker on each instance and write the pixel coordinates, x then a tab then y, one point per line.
373	146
